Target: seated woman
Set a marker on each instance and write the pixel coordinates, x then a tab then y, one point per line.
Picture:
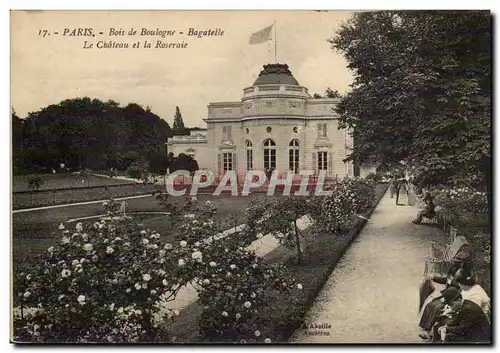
434	307
429	210
471	324
473	291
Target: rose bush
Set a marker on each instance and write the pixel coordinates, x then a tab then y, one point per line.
350	197
103	282
233	287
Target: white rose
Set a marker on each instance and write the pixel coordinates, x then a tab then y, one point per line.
146	277
145	241
208	203
238	315
65	273
165	282
181	262
224	313
197	255
65	240
61	297
267	340
79	226
61	226
27	294
120	310
28	277
75	262
112	307
206	281
81	299
253	295
128	290
247	305
109	250
162	252
137	286
183	243
257	333
51	249
167	246
212	264
153	292
299	286
88	247
143	232
85	237
232	267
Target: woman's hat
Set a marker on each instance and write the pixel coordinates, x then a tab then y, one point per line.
450	294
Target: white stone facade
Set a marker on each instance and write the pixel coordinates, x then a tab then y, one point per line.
277	125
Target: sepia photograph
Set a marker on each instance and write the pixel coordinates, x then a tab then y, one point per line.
251	177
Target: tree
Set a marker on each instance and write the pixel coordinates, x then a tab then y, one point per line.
421	91
184	162
89	133
329	93
178	127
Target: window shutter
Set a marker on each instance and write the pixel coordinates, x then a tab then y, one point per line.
229	132
330	163
315	164
234	162
319	130
219	163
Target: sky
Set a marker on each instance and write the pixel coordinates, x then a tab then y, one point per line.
47	70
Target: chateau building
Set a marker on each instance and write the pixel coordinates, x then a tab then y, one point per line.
277	125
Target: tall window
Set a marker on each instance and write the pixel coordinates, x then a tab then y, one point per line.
249	155
293	156
227	161
226	132
269	154
322	161
322	130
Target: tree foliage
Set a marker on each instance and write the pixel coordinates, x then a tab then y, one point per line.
183	162
421	91
87	133
178	127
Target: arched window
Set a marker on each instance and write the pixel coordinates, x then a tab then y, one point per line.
249	155
293	156
269	154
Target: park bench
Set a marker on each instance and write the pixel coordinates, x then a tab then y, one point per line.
441	259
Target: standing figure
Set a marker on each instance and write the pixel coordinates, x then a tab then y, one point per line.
400	184
392	186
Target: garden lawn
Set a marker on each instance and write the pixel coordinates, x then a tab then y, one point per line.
60	180
34	231
284	315
61	197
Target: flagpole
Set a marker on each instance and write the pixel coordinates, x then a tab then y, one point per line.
275	44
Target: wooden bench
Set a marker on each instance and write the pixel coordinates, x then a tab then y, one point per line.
441	259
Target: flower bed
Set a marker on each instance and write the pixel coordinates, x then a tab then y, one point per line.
108	281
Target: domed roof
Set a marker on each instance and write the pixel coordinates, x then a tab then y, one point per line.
275	74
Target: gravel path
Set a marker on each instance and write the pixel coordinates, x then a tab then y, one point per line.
372	296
